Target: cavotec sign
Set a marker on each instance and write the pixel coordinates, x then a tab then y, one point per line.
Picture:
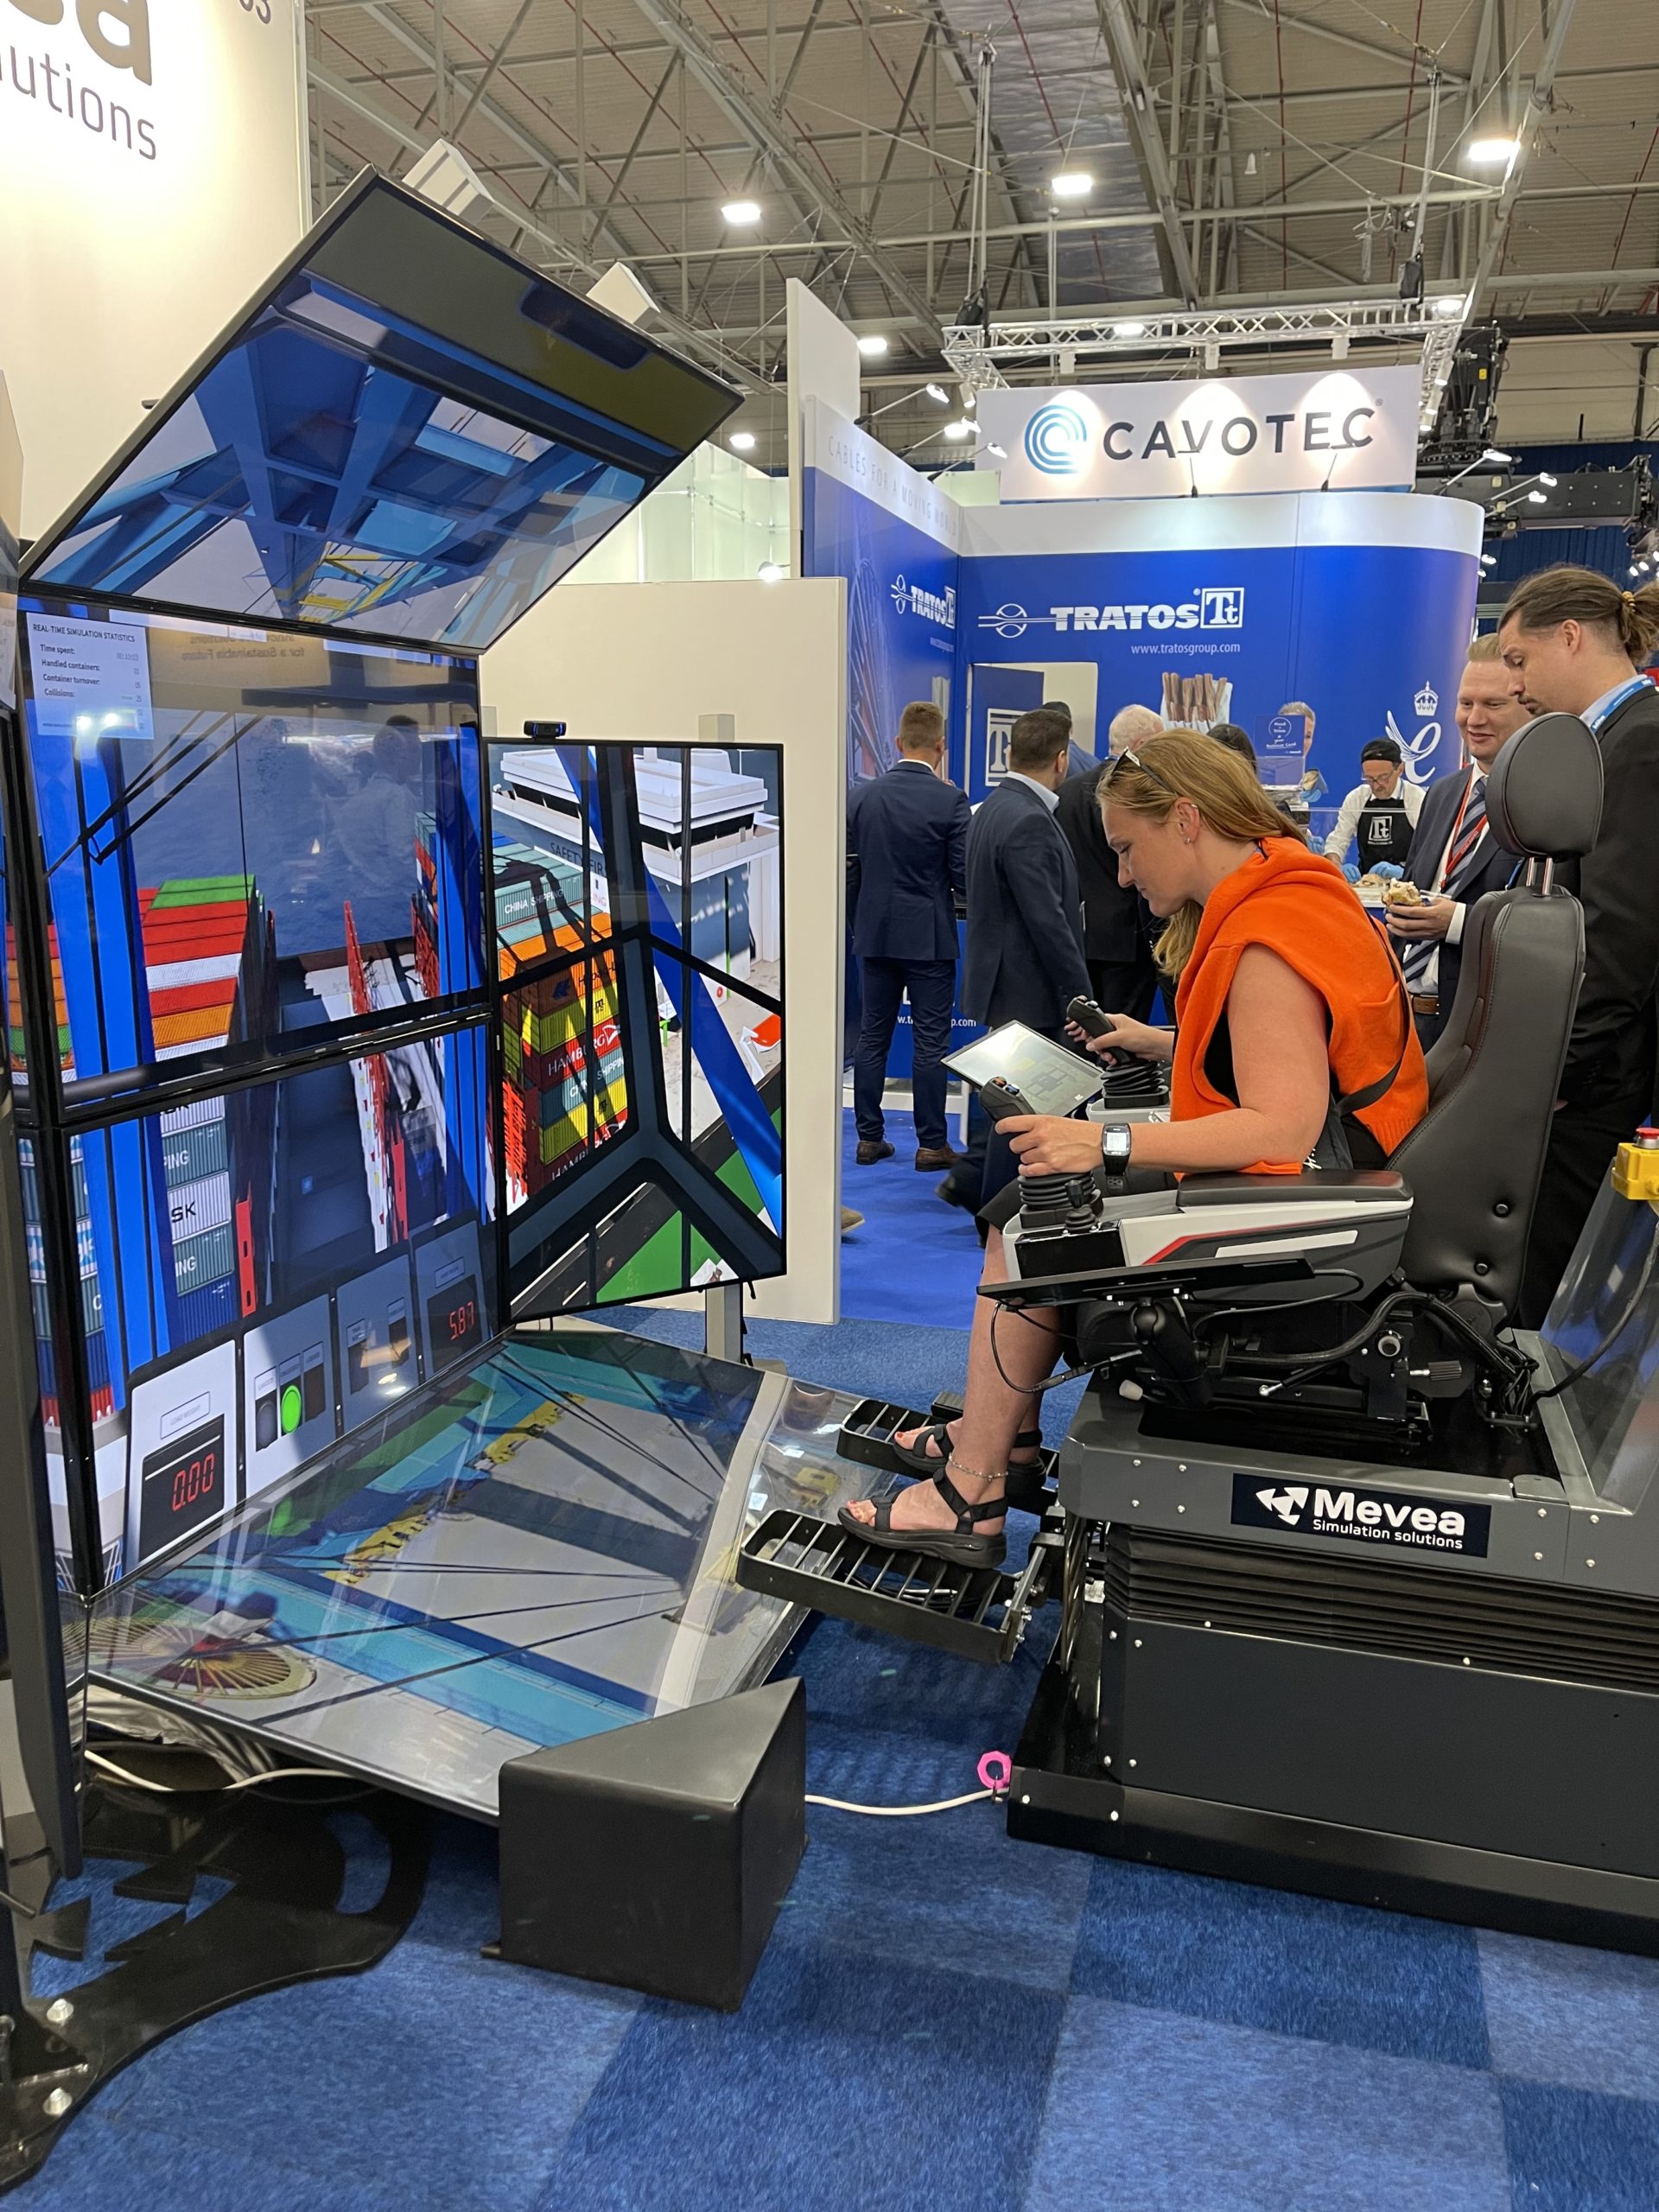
1342	429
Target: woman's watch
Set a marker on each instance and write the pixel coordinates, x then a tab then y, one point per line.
1116	1143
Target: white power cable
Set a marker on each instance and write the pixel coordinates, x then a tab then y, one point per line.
222	1790
902	1812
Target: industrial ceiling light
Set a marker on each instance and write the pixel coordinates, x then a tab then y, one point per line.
1250	164
873	346
1545	478
1489	560
1072	184
1129	330
937	391
1487	153
741	442
958	429
1499	458
1001	453
1539	499
740	213
1450	304
772	572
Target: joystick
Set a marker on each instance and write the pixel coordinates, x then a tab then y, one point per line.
1090	1017
1001	1099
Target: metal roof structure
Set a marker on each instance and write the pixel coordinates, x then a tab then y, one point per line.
1245	157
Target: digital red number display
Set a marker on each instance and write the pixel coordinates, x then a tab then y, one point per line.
196	1482
184	1487
453	1323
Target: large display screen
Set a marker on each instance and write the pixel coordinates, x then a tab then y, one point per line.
638	941
410	435
262	1271
540	1549
251	839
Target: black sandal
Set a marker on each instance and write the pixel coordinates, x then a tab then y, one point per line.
958	1547
917	1457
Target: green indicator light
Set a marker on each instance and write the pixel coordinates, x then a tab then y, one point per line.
292	1407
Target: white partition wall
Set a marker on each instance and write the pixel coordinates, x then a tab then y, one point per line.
649	663
154	155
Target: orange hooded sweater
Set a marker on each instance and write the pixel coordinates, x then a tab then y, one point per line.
1297	903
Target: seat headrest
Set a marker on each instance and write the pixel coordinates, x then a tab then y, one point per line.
1543	795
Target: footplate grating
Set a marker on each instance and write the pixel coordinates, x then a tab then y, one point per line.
977	1612
866	1437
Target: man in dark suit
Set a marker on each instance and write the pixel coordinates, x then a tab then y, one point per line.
906	832
1025	915
1571	642
1452	855
1025	922
1122	976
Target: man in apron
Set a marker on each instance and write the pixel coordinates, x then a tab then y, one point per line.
1380	813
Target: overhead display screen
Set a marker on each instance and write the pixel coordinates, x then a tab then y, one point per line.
410	435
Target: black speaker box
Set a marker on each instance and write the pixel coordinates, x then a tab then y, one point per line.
655	1857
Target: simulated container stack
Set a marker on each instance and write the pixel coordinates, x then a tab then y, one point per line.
209	964
566	1088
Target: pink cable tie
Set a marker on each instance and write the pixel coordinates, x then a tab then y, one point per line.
996	1773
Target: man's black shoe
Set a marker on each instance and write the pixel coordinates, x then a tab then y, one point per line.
953	1194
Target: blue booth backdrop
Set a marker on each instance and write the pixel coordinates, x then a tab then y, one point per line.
1357	605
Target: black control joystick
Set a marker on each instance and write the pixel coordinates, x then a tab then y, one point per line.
1001	1099
1090	1017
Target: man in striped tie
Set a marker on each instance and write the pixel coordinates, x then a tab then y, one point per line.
1452	855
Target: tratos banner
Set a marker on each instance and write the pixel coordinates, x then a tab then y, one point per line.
154	174
1343	431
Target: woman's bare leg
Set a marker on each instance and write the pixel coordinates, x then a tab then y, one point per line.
999	1402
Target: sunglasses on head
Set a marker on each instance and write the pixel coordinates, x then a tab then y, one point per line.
1135	762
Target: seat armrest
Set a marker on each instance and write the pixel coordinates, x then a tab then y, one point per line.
1315	1185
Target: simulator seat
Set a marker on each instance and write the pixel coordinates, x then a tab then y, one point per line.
1368	1294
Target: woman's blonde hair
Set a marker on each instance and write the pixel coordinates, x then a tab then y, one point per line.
1156	775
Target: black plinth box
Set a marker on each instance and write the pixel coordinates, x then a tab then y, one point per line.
655	1857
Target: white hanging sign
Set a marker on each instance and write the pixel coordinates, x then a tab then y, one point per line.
1343	431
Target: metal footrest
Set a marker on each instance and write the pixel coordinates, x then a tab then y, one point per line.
977	1612
866	1437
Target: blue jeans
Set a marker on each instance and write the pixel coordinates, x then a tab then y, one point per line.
930	986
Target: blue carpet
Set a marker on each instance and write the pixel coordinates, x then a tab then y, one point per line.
913	1258
944	2018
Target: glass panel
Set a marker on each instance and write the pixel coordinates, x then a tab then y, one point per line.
250	839
412	436
1607	1311
260	1272
658	1086
539	1550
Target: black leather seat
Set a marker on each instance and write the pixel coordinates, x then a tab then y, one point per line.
1474	1162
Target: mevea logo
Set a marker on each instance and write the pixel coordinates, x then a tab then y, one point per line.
1216	608
939	606
1057	439
1372	1516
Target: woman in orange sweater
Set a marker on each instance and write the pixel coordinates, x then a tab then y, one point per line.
1289	1008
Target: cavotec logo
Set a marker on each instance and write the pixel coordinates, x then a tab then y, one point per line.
1366	1516
1057	439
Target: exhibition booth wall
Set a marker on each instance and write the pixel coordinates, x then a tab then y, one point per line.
156	172
1357	604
